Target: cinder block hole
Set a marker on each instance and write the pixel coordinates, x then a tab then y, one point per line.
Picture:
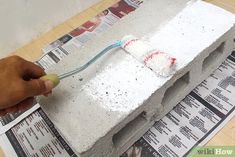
212	57
178	86
122	136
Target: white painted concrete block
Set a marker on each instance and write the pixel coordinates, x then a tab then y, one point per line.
107	107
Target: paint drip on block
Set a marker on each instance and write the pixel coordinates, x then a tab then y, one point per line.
161	63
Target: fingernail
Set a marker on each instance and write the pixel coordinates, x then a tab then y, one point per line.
49	85
48	94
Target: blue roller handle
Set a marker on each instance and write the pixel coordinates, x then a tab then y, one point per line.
83	67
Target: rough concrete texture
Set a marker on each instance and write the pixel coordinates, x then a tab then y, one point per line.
107	107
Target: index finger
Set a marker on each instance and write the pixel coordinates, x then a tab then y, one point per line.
32	71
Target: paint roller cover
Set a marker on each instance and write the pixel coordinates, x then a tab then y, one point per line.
161	63
136	47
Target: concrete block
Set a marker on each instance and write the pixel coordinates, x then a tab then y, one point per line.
107	107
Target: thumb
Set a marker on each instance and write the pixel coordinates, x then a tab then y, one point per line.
37	87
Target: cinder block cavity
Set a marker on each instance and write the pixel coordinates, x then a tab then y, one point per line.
178	86
212	57
120	138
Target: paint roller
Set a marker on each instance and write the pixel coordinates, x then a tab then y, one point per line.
159	62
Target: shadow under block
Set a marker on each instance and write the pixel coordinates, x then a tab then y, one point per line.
119	97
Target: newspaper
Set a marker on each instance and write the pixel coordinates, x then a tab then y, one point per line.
194	120
11	119
35	136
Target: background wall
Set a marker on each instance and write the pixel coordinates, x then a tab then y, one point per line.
24	20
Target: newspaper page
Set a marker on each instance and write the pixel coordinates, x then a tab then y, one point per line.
35	136
70	43
194	120
11	119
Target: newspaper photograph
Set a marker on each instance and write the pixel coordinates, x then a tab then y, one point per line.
192	122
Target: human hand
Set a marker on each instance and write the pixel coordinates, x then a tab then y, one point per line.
19	83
